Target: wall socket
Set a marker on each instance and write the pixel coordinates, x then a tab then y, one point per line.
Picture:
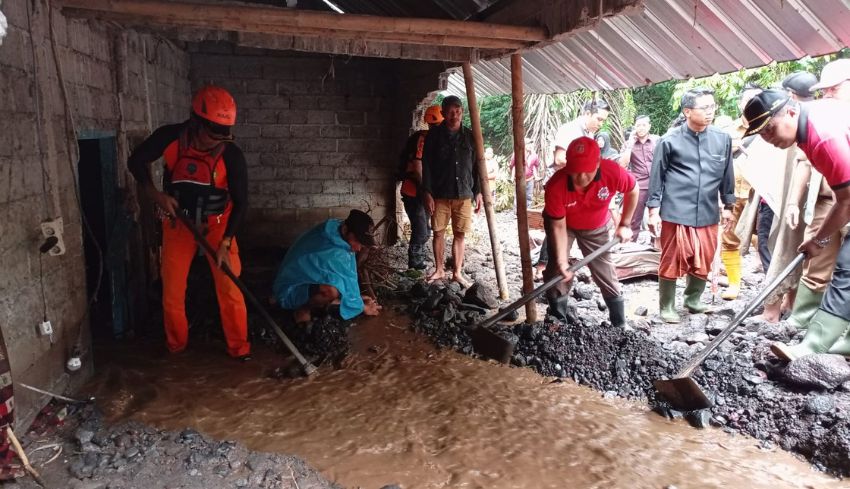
54	228
45	328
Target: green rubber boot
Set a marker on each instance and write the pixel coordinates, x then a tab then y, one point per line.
667	295
693	295
842	346
805	306
824	331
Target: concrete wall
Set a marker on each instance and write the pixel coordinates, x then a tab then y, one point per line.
321	134
118	83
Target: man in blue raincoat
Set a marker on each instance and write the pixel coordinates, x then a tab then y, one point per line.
320	269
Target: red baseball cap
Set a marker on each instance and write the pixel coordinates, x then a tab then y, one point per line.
583	155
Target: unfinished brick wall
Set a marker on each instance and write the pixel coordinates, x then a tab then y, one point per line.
318	134
117	83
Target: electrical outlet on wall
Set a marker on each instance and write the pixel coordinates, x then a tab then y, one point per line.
54	228
45	328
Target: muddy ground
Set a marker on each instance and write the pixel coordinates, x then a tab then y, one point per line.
751	391
803	407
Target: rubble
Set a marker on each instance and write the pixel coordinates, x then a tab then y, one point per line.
130	455
753	392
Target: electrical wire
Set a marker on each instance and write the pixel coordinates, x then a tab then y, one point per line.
73	151
39	137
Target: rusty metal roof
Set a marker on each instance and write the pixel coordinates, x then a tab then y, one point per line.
673	39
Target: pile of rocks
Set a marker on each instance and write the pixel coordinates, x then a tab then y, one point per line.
131	455
803	407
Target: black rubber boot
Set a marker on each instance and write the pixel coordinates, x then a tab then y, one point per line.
616	311
558	307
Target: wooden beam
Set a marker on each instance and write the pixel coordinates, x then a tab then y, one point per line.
373	49
276	20
310	32
518	117
487	196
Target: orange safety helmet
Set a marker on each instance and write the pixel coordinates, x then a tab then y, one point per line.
433	115
215	104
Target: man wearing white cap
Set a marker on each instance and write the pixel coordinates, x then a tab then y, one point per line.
835	80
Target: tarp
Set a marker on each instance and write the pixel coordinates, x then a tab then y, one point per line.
763	166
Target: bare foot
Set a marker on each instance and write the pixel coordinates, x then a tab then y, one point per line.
302	316
436	276
459	278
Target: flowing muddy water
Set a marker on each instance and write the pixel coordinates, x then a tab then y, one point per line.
401	412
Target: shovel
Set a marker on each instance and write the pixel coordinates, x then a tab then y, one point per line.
489	344
682	392
308	367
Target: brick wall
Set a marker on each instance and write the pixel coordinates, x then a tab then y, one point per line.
321	135
118	82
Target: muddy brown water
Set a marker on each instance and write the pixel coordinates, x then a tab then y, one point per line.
399	412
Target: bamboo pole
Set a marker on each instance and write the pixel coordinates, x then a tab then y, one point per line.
23	456
519	169
472	105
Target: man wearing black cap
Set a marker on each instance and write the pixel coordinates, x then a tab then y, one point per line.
320	269
797	172
822	132
450	185
799	85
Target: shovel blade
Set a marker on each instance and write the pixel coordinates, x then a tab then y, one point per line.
489	344
683	394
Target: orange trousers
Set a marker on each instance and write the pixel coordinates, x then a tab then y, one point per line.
178	250
686	250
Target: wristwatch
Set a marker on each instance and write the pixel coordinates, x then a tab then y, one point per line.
822	242
728	207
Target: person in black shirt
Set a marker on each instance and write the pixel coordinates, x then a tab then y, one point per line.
450	183
206	179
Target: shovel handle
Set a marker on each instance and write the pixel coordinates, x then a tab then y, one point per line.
202	241
504	312
720	338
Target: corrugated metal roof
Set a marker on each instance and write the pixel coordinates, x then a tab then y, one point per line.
674	39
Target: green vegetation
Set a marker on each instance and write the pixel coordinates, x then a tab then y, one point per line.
544	113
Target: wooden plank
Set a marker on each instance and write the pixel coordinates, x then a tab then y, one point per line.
518	117
372	49
236	25
496	245
240	17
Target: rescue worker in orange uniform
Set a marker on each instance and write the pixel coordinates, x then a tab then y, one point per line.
411	164
205	178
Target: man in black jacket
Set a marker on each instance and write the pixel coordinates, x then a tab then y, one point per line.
450	183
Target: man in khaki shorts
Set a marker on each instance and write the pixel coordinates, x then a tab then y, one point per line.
450	183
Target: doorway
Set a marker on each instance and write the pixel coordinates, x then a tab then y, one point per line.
105	232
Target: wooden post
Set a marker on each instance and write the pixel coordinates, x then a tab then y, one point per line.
519	169
472	106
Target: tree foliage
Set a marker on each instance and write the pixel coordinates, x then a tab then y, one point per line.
654	101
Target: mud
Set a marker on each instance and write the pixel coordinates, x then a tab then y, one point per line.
745	382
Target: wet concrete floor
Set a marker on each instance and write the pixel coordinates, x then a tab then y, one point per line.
399	412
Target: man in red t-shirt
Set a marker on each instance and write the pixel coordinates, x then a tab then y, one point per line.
821	130
577	199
